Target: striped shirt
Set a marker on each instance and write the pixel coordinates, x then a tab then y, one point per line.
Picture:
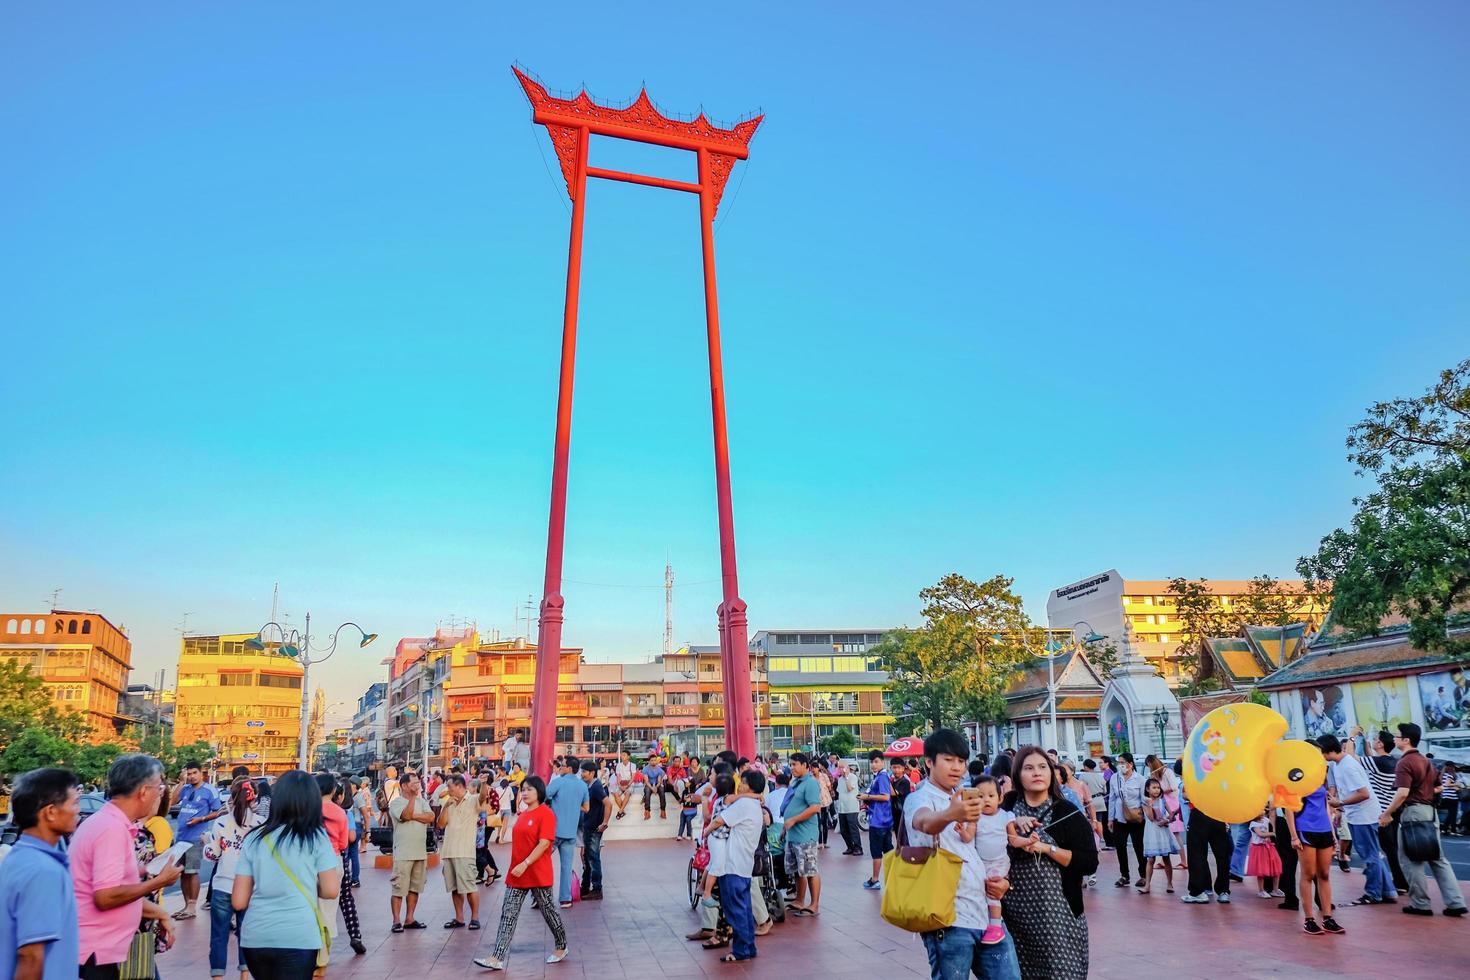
1381	781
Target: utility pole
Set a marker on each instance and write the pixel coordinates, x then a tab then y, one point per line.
668	608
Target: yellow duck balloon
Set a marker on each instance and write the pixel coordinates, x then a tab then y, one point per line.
1236	760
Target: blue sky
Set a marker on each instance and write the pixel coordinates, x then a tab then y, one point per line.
1006	289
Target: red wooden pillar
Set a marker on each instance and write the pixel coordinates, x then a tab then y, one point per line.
570	123
734	645
548	640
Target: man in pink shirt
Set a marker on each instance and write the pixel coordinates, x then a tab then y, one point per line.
112	894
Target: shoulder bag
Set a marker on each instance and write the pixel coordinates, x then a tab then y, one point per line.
324	953
1421	840
919	885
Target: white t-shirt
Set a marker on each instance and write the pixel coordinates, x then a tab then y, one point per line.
774	799
990	835
970	910
744	821
1351	777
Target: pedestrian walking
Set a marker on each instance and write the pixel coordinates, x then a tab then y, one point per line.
337	823
1126	817
847	810
880	816
222	843
287	868
566	795
1415	781
1360	812
530	875
742	824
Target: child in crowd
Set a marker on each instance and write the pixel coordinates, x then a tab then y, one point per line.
1263	862
1158	842
991	833
688	807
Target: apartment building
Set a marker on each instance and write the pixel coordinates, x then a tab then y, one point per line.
245	703
823	681
83	659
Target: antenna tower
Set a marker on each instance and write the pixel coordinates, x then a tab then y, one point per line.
275	600
668	608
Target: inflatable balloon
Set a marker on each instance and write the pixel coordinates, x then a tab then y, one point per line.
1236	760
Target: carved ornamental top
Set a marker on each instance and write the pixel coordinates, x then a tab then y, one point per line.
641	121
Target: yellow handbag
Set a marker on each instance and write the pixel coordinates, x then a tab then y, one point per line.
919	885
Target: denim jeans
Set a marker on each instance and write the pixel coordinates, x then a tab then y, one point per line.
1240	840
280	964
591	861
955	953
735	903
1375	866
355	856
566	850
223	920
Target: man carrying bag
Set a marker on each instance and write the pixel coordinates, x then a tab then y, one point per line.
937	820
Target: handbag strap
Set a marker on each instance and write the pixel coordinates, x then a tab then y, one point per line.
315	906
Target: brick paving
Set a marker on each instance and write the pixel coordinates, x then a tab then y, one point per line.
638	932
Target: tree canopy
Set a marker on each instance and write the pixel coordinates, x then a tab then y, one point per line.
25	703
1407	548
956	667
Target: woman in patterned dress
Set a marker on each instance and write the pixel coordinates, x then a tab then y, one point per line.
1055	852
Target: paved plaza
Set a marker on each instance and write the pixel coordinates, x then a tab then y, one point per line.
638	931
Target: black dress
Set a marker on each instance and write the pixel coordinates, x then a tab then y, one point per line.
1050	936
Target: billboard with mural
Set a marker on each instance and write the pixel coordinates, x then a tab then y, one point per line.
1382	703
1324	711
1445	696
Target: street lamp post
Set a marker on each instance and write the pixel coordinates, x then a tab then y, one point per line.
297	646
1161	722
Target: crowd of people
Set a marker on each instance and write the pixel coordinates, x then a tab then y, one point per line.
274	864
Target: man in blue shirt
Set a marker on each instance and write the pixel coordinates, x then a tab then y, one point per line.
38	908
799	813
655	780
880	817
199	806
566	794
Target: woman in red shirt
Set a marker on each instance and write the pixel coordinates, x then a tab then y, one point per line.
530	874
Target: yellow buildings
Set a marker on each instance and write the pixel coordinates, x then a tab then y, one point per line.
83	659
245	703
822	681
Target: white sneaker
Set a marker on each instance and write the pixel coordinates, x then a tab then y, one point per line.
1203	899
1263	894
1278	893
1223	898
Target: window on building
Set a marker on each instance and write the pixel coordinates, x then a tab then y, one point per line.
517	702
279	680
603	699
786	639
711	697
566	733
596	733
785	663
236	680
86	626
681	697
781	703
12	626
71	626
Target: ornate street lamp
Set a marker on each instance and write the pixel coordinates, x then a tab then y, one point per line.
297	645
1161	722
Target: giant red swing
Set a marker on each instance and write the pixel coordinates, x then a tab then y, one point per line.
571	123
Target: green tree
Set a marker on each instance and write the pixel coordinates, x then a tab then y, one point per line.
91	762
957	667
1200	615
159	743
840	743
32	748
1266	603
1103	655
25	703
1407	549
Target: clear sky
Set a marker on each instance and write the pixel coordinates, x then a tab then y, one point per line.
1012	288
